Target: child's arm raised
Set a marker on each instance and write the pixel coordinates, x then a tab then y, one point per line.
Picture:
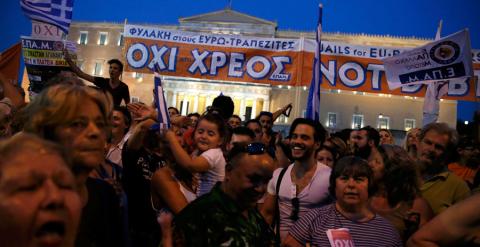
197	164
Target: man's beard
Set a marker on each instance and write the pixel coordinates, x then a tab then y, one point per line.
432	165
306	153
362	152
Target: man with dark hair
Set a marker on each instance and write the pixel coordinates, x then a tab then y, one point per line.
113	85
240	134
173	111
227	216
301	186
440	187
266	120
366	139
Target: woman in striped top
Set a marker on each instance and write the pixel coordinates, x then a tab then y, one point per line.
349	221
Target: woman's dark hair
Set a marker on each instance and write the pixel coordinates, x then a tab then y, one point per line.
351	166
400	175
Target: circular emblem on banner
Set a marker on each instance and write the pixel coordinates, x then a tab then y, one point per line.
445	52
58	45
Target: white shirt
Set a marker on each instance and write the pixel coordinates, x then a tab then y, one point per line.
216	173
314	195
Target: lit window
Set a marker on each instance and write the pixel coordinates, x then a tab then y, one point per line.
409	124
331	119
102	39
357	121
80	63
120	40
137	75
383	122
83	39
98	68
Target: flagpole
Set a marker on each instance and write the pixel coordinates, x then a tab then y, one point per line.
313	102
431	101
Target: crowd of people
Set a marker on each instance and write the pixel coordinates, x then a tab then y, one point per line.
78	168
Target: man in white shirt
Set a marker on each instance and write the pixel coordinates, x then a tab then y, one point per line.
304	184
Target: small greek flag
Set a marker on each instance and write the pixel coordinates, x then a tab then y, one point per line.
162	108
54	12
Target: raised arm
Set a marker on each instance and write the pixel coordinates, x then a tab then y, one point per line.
279	112
197	164
76	69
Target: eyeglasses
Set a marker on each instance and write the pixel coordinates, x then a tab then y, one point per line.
295	209
255	148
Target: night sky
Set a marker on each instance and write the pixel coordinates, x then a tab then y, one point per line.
417	18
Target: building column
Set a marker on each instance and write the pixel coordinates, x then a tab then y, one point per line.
266	104
208	101
254	108
174	99
195	103
242	108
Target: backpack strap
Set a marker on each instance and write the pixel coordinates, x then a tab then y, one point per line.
276	219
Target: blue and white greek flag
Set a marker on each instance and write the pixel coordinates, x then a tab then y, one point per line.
313	103
54	12
160	103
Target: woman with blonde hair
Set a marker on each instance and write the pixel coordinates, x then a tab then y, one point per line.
411	141
77	118
386	137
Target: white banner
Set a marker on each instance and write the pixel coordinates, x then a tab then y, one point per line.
447	58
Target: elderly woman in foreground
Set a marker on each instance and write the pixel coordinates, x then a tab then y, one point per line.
38	202
349	219
77	118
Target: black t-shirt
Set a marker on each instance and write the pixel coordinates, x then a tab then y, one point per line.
138	168
101	223
118	93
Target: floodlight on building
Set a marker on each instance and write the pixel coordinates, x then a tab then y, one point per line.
466	122
380	115
289	87
280	86
305	88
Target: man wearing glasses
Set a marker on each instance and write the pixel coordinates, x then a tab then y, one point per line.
301	186
227	216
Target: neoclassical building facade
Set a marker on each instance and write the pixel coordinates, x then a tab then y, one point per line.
97	42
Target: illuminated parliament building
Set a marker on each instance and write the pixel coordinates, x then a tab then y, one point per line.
98	42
